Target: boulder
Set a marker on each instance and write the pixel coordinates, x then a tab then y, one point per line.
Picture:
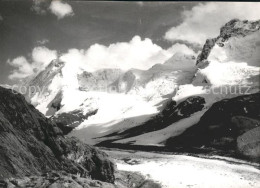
248	144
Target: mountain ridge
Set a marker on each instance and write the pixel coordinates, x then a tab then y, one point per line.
139	98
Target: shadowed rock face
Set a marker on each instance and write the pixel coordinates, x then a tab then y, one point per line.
68	121
31	144
226	126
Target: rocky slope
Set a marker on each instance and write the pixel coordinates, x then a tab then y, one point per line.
231	125
62	179
31	144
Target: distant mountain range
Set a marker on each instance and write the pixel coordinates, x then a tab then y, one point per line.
166	105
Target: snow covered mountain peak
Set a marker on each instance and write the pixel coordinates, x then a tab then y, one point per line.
60	82
238	41
180	61
44	77
111	101
101	80
226	63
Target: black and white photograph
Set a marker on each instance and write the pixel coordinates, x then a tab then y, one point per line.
129	94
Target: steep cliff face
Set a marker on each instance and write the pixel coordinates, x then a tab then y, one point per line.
235	37
232	59
31	144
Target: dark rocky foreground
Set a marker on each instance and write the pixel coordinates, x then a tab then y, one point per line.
63	179
31	144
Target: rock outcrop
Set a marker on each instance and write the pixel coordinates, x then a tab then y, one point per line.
68	121
248	144
101	80
235	36
31	144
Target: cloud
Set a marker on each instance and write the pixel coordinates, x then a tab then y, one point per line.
40	58
137	53
56	7
74	60
204	20
23	67
60	9
181	48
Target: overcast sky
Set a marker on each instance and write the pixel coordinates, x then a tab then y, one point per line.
106	34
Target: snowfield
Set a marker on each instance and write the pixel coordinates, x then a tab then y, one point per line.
157	138
118	112
180	171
